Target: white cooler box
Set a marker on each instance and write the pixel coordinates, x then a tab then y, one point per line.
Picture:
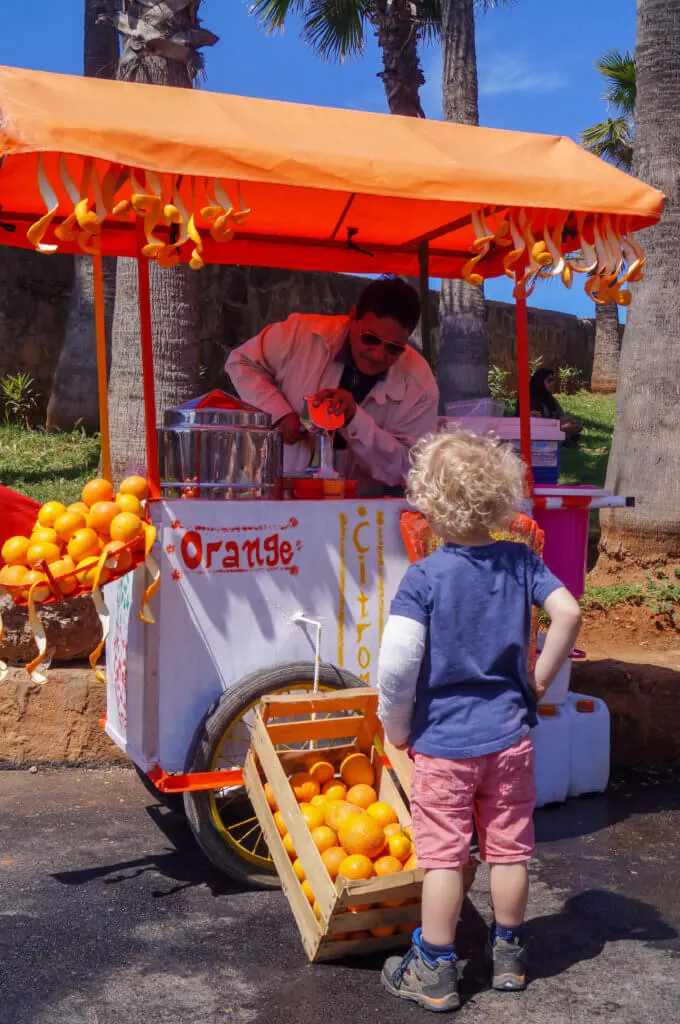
546	438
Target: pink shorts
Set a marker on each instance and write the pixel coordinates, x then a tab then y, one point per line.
497	791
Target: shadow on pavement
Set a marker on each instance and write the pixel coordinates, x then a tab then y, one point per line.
185	864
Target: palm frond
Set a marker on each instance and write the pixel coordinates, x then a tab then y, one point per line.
492	5
429	20
612	140
335	29
618	70
272	14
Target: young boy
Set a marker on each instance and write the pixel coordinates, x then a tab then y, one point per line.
454	689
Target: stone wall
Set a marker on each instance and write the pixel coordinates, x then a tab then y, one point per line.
236	302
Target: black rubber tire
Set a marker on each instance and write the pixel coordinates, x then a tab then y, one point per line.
173	801
231	705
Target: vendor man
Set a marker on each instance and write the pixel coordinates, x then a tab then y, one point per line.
364	364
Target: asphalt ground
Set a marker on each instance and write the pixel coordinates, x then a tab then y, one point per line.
109	914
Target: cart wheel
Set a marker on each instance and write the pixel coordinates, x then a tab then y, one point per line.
222	820
173	801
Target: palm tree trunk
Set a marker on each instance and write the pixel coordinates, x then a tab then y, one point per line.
463	363
73	398
173	292
402	75
607	350
645	458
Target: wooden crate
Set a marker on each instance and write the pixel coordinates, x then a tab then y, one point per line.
353	719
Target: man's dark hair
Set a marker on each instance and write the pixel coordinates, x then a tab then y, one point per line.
392	297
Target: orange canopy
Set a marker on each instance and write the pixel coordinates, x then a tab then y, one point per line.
259	182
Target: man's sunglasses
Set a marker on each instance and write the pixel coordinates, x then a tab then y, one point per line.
392	348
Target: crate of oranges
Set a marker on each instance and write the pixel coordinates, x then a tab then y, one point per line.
335	820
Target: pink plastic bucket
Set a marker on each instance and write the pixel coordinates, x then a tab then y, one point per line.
566	542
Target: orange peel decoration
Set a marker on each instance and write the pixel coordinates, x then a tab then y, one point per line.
480	247
36	232
102	610
196	262
145	613
38	633
518	247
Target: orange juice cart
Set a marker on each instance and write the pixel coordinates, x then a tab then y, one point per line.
260	595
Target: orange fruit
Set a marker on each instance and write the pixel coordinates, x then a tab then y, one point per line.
323	771
271	799
356	865
400	846
324	838
394	826
338	811
82	544
357	768
317	910
14	550
304	786
411	926
67	524
360	834
362	795
313	816
12	576
383	929
97	490
102	515
387	865
382	813
86	570
299	870
44	535
356	936
42	590
126	526
308	891
319	800
120	556
50	512
289	847
79	506
280	823
136	485
340	937
62	568
334	790
129	503
42	551
332	859
412	863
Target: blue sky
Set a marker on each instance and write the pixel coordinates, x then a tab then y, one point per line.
535	63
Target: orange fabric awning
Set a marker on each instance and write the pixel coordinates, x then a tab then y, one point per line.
324	188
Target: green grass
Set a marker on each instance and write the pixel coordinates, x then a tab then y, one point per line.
47	466
585	465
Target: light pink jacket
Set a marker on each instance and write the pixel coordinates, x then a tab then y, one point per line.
277	368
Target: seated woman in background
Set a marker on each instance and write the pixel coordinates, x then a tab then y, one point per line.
545	405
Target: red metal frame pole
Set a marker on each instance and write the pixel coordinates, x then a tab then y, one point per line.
146	343
523	378
102	385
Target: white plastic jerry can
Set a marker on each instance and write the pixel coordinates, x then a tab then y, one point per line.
559	688
551	744
589	743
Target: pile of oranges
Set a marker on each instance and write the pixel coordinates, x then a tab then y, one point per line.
357	835
61	555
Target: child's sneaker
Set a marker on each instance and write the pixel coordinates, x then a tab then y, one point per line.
508	962
433	984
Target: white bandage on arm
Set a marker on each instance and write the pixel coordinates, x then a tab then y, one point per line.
401	655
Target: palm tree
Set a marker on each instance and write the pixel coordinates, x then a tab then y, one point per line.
337	29
645	457
74	390
612	140
161	45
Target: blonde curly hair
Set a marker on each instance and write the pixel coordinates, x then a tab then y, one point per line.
465	484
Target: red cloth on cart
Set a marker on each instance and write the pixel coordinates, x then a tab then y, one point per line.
17	514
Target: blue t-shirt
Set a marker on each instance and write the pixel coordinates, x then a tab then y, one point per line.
473	696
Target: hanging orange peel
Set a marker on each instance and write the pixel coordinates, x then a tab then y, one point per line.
3	664
39	636
155	198
603	248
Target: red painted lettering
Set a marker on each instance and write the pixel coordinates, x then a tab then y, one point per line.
213	548
271	547
286	552
231	560
192	540
251	550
